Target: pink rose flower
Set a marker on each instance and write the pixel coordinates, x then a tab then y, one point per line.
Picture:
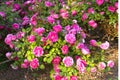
38	51
68	61
33	20
67	28
101	65
93	42
111	8
50	19
57	28
9	38
116	4
56	60
92	23
81	65
64	15
15	26
91	10
25	64
99	2
85	50
105	45
94	69
64	78
20	34
34	63
70	38
74	12
80	46
73	31
48	4
76	26
56	69
31	38
53	15
16	7
73	78
2	14
8	55
64	49
53	36
57	77
40	31
83	35
84	16
110	64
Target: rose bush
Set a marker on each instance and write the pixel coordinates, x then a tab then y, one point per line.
55	32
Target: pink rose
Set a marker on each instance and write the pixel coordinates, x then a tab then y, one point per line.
94	69
70	38
50	19
68	61
16	7
105	45
101	65
64	49
91	10
15	26
57	77
99	2
76	26
64	15
34	63
111	8
56	69
25	20
40	31
93	42
9	38
56	60
2	14
25	64
48	4
38	51
80	46
67	28
64	78
116	4
92	23
84	16
85	50
73	78
33	20
81	65
74	12
102	13
53	36
8	55
110	64
57	28
31	38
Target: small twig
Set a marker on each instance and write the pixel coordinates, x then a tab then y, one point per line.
5	61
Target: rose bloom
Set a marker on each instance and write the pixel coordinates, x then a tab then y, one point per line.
76	26
16	7
91	10
38	51
56	69
2	14
67	28
64	15
80	45
74	12
110	64
25	64
111	8
64	49
101	65
116	4
99	2
34	63
94	69
73	78
93	42
53	36
56	60
33	20
9	38
15	26
31	38
8	55
70	38
81	65
48	4
57	77
92	23
50	19
85	50
20	34
84	16
105	45
68	61
40	31
57	28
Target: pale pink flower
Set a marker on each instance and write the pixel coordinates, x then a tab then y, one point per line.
8	55
25	64
57	28
111	8
102	13
64	78
56	60
85	50
25	20
93	42
70	38
110	64
53	36
68	61
91	10
105	45
73	78
101	65
15	67
81	65
64	49
92	23
31	38
34	63
57	77
2	14
40	31
9	38
15	26
94	69
56	69
99	2
116	4
38	51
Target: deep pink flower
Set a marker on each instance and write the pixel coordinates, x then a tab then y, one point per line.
33	20
20	34
56	60
70	38
8	3
92	23
31	38
8	55
16	7
80	46
9	38
93	42
83	35
116	4
2	27
50	19
76	27
56	69
111	8
68	61
73	78
15	26
57	77
38	51
67	28
91	10
53	36
57	28
64	15
25	20
40	31
73	31
101	65
105	45
74	12
2	14
99	2
64	49
84	16
43	39
94	69
81	65
34	63
110	64
48	4
25	64
14	67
